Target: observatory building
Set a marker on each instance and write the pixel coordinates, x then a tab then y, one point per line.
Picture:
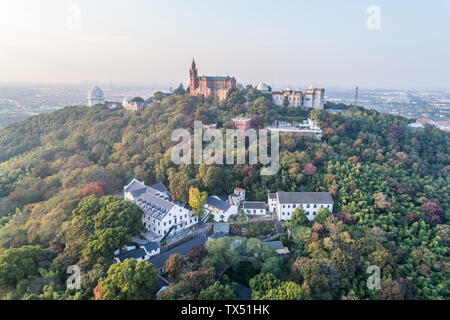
95	96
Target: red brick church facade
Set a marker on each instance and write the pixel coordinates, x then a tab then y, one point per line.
206	86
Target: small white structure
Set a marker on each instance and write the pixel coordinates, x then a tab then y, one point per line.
237	197
272	201
221	210
308	128
146	251
416	126
286	202
112	105
95	96
162	215
255	208
263	87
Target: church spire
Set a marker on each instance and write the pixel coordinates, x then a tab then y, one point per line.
193	66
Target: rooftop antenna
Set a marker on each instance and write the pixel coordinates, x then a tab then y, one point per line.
356	94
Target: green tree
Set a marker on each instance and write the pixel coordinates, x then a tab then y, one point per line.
179	91
299	218
288	291
285	101
110	222
129	280
17	264
262	283
217	291
322	215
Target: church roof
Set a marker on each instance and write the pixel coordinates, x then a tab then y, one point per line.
217	78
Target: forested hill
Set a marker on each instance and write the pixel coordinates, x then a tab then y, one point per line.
390	185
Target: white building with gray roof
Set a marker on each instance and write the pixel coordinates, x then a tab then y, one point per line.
284	203
221	210
256	208
162	215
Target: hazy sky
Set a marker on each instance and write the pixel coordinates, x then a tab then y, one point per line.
279	42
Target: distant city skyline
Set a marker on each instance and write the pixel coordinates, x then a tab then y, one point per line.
325	43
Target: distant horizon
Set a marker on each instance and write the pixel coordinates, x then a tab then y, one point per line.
327	43
104	85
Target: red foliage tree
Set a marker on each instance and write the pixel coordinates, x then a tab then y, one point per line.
98	188
256	121
330	132
433	212
412	217
249	175
309	169
400	289
199	280
197	253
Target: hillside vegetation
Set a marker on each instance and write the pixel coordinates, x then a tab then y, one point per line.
390	185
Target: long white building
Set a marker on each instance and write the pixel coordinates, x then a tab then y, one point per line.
308	128
312	98
284	203
162	215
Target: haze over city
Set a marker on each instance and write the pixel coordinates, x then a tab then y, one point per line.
302	43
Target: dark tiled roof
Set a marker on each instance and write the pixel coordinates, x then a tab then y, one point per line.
151	246
159	187
155	200
135	185
216	203
254	205
305	197
216	78
138	253
160	260
222	197
272	195
137	193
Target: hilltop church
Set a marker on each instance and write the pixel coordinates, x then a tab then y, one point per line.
206	86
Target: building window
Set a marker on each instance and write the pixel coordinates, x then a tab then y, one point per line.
315	206
308	206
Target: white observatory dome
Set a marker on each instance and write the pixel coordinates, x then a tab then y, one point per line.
262	87
95	96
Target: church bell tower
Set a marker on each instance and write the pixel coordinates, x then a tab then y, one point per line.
193	84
